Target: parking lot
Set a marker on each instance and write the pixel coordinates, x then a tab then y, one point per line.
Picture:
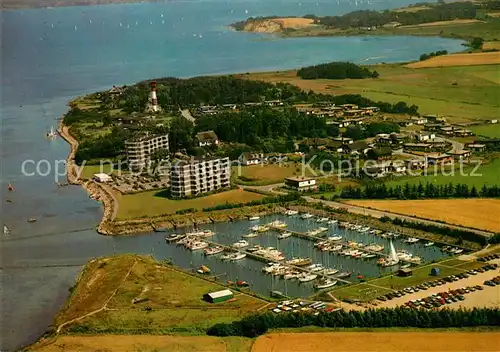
476	288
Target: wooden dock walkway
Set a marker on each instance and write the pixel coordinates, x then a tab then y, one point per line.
343	243
267	260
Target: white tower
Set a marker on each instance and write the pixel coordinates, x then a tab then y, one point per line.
153	100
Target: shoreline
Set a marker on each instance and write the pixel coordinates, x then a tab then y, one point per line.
97	191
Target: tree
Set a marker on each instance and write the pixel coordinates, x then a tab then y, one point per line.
181	134
476	43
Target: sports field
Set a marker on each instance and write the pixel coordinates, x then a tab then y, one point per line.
461	93
475	213
378	341
152	203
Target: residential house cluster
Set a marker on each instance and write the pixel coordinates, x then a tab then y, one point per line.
343	115
215	109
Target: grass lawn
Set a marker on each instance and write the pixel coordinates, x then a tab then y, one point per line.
153	203
363	292
474	97
419	276
487	130
377	287
175	299
488	175
259	175
89	170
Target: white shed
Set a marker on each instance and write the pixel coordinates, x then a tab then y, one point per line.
102	177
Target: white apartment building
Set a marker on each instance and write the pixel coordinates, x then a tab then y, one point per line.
197	176
139	150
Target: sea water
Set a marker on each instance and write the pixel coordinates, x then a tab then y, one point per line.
51	55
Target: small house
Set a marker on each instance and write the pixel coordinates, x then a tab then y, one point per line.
476	147
435	272
405	272
248	158
274	102
414	164
102	178
359	147
438	159
300	183
463	154
422	137
343	139
207	138
380	153
418	120
218	296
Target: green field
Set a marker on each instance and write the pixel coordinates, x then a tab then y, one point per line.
461	94
487	130
174	299
488	171
153	203
372	289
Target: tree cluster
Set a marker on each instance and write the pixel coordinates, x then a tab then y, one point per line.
369	18
104	147
259	324
336	70
420	191
432	54
358	132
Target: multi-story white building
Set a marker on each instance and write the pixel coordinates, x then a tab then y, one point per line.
197	176
139	150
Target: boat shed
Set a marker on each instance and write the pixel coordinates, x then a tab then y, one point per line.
218	296
405	272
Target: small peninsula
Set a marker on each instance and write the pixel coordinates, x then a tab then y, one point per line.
465	20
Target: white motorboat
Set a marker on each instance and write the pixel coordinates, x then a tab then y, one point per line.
279	224
307	277
325	283
429	244
330	271
254	218
213	250
334	238
306	216
457	250
315	267
254	248
299	261
284	235
6	230
290	212
369	256
322	219
197	245
336	248
412	240
251	235
240	244
237	256
332	221
174	237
